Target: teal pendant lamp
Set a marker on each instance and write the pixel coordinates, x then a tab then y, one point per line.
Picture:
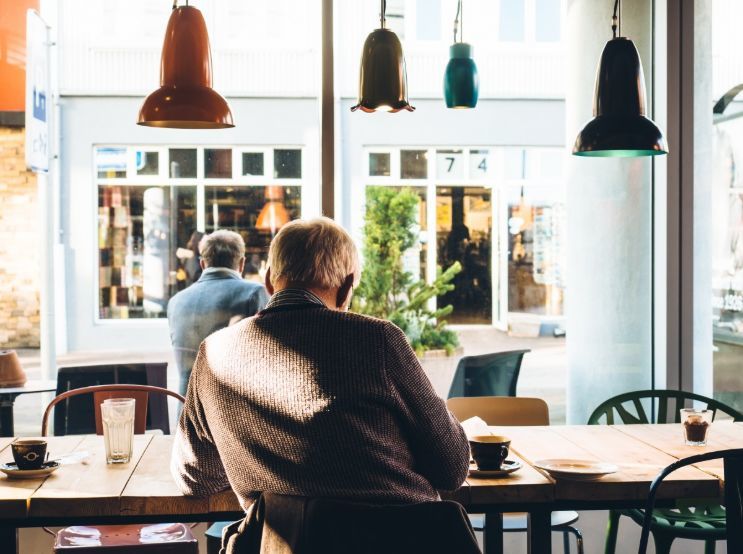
620	128
461	81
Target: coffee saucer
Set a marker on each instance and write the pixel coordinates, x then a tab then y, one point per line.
508	467
576	470
12	471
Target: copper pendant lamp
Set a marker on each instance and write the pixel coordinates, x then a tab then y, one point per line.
383	82
620	127
185	99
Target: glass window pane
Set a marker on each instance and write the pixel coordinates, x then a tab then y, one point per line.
139	241
449	164
287	164
428	19
379	164
464	235
511	27
110	163
548	20
182	163
479	164
396	17
218	163
253	163
147	163
514	163
257	213
413	164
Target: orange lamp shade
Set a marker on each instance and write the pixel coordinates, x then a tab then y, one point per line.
185	99
11	372
274	215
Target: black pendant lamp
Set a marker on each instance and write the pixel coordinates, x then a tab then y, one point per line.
186	99
620	127
383	83
461	81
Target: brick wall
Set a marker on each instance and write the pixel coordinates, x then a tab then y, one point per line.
19	245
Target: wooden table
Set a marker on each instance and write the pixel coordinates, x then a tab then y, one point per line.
143	491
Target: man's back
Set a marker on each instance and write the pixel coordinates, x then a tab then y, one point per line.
220	297
314	402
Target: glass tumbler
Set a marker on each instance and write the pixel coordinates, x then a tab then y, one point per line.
696	425
118	429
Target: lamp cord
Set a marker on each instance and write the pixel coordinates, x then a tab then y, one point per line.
459	22
383	13
616	19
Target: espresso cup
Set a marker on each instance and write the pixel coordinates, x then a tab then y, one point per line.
489	451
29	453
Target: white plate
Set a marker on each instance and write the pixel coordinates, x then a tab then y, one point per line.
12	471
577	470
508	467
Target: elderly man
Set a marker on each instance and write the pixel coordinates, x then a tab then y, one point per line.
307	399
219	298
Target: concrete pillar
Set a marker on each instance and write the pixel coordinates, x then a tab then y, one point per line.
609	228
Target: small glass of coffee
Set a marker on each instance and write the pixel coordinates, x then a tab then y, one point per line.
696	425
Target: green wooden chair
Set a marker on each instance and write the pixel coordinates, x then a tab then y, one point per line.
697	522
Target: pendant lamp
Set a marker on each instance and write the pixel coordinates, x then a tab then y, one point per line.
620	127
461	81
383	83
185	99
274	215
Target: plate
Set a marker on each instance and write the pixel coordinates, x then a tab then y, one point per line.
577	470
12	471
509	466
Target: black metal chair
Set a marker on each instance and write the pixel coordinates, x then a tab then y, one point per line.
76	415
733	464
488	374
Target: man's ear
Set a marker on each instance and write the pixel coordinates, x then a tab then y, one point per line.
344	292
241	265
269	286
202	263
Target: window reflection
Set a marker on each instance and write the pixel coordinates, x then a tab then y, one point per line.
464	235
245	210
138	236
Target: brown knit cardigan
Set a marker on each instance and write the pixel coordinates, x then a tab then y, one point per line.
303	400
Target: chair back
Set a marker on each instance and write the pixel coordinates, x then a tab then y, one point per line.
664	407
488	374
733	464
99	393
76	415
501	410
281	524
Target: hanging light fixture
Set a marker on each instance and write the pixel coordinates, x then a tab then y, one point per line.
383	83
274	215
461	81
185	99
620	127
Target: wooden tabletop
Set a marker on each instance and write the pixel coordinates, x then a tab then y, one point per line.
144	487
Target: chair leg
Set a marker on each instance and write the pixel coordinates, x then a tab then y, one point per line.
709	547
612	529
662	543
566	541
578	539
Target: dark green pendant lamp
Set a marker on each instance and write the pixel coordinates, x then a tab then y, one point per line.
461	81
620	128
383	82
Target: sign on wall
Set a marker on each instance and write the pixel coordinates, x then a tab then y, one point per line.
38	96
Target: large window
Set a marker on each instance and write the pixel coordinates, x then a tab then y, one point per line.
499	213
155	204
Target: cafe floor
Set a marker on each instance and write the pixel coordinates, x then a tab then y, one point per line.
543	374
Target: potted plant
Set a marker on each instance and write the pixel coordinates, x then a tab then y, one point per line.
390	292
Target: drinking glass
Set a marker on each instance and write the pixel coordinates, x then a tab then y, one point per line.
696	425
118	429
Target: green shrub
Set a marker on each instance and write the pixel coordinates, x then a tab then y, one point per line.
388	291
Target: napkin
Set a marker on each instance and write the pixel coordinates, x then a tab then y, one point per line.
475	426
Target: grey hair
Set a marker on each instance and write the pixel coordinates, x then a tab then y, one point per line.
313	253
222	248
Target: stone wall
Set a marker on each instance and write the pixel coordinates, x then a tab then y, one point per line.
19	245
